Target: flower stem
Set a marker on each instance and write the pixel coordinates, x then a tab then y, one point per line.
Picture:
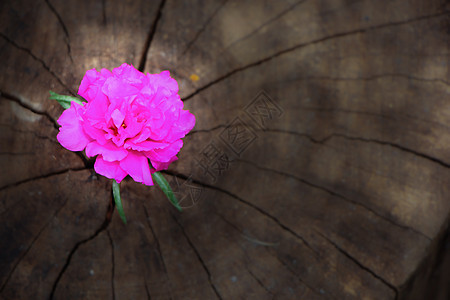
118	201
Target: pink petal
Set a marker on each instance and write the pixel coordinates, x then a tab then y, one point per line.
86	84
116	88
165	154
158	166
129	73
186	121
92	82
157	119
117	117
94	133
132	129
109	169
109	151
159	134
145	145
184	124
163	79
71	134
136	165
97	107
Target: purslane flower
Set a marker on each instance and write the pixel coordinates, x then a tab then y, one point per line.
132	122
129	118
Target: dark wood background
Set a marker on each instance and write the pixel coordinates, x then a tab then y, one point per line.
338	187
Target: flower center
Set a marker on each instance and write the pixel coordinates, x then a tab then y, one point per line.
114	130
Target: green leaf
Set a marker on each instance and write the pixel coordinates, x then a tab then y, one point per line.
116	195
165	187
65	100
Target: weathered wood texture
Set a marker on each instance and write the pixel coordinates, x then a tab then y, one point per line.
343	192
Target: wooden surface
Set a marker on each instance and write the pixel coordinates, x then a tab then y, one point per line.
337	189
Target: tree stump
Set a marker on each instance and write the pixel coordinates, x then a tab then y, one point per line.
318	167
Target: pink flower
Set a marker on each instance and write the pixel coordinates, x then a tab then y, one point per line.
129	118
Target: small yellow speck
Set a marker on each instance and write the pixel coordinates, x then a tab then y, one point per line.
194	77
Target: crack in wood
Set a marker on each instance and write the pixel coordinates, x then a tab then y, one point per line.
322	141
112	264
158	248
249	204
13	128
299	134
44	65
147	291
359	264
244	251
200	259
228	222
31	245
150	36
104	12
88	163
375	77
306	44
206	130
278	16
368	140
102	228
347	4
27	106
15	184
368	113
296	275
197	35
271	253
337	195
246	237
63	26
394	145
258	281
